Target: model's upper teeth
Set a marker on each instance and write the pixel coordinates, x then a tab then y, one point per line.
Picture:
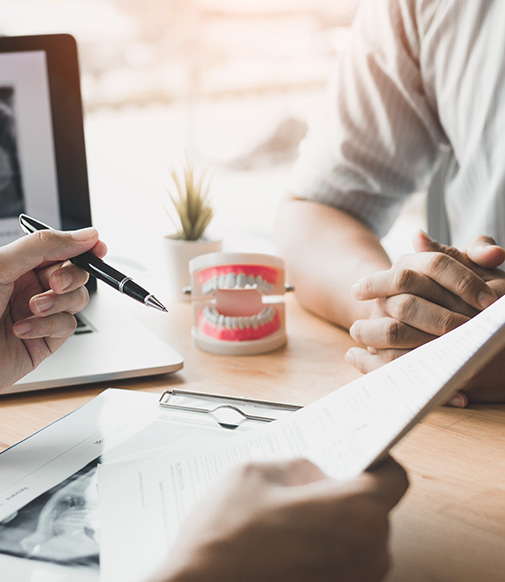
240	281
243	322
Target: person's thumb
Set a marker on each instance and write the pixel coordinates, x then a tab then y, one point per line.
484	252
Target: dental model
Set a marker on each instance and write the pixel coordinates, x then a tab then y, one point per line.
238	303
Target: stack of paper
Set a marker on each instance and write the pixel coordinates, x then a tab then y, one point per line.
344	433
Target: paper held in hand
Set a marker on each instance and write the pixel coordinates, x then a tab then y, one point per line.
344	433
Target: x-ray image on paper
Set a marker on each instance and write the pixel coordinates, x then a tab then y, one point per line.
60	525
11	185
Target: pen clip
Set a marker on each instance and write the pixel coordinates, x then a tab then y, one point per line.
29	225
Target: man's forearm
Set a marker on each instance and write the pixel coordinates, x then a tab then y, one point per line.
326	252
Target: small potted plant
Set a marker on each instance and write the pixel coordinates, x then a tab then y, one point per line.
190	202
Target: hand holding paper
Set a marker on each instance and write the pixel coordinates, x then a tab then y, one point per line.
343	434
267	522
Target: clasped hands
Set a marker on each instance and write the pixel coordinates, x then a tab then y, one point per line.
424	295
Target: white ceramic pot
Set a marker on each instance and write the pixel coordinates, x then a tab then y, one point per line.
178	253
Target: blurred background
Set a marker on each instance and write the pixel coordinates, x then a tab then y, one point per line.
229	83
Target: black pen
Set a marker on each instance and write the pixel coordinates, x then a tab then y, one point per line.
96	267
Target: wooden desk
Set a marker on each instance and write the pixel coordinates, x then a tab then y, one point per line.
451	525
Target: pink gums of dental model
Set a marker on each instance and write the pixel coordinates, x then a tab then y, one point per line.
235	334
237	302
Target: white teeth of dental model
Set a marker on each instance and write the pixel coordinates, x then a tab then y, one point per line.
211	314
242	322
232	281
210	285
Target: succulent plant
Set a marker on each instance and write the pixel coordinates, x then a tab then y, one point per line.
190	198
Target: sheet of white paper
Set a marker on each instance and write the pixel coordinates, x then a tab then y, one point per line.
343	433
36	464
49	523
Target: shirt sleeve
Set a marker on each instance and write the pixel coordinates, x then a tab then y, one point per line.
374	140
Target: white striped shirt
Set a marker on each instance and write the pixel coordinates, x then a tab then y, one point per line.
417	74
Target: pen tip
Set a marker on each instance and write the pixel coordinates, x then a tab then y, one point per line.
151	301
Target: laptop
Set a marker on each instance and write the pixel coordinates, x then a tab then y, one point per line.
43	173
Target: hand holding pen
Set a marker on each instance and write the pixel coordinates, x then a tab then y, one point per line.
40	291
99	269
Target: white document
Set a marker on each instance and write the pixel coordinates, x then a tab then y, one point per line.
49	519
49	522
344	433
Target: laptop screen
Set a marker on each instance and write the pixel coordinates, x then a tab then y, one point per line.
42	156
28	180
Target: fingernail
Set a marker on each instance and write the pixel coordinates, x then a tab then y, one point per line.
84	233
21	329
458	400
485	298
43	304
350	358
356	289
64	280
